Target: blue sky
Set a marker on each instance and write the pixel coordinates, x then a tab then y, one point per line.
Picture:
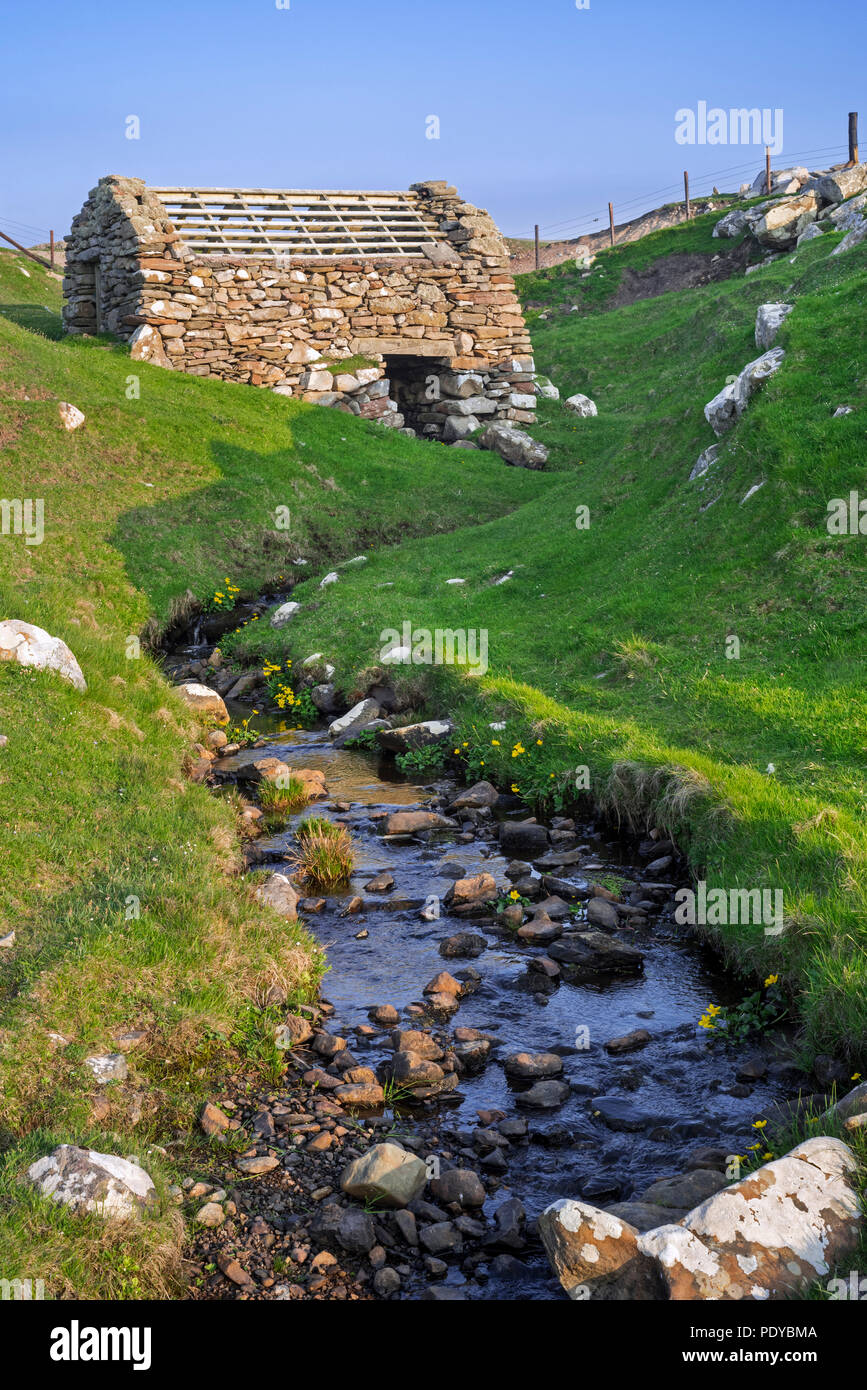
546	111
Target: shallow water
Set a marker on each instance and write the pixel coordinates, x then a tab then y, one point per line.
676	1080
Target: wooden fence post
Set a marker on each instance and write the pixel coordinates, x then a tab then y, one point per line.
538	258
23	249
767	168
611	222
853	137
686	194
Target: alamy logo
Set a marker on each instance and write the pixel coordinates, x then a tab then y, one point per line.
77	1343
847	516
854	1288
737	126
22	1290
720	907
440	647
23	517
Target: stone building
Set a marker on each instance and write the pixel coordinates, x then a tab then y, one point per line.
393	306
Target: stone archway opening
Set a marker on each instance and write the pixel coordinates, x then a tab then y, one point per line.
435	400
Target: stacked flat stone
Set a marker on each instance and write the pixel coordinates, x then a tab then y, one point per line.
286	323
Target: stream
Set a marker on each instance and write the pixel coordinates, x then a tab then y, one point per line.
673	1099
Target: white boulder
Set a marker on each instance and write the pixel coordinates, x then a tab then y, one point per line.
513	445
203	700
767	1237
87	1181
731	402
842	184
781	225
362	713
282	615
732	224
146	345
769	319
71	418
581	405
33	646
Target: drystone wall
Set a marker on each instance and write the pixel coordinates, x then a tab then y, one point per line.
438	341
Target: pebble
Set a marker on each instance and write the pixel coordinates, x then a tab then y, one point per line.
211	1214
263	1163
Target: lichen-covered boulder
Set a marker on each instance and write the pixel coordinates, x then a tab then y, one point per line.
768	1236
284	614
596	1255
86	1181
413	736
730	403
71	418
514	445
146	345
782	223
769	320
853	238
202	700
782	180
731	225
842	184
33	646
362	713
278	893
581	405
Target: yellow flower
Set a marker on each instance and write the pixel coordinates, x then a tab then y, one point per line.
771	980
765	1157
515	787
495	743
514	894
759	1124
539	742
856	1076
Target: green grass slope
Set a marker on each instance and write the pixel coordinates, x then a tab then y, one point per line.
611	643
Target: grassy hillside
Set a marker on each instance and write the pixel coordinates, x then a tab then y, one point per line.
611	643
167	488
562	288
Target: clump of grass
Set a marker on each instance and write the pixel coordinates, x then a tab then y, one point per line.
279	799
324	859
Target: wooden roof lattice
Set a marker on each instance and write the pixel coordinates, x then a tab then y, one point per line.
298	223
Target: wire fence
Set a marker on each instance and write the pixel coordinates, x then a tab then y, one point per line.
588	222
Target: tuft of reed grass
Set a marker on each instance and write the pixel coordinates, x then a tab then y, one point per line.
279	799
325	858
